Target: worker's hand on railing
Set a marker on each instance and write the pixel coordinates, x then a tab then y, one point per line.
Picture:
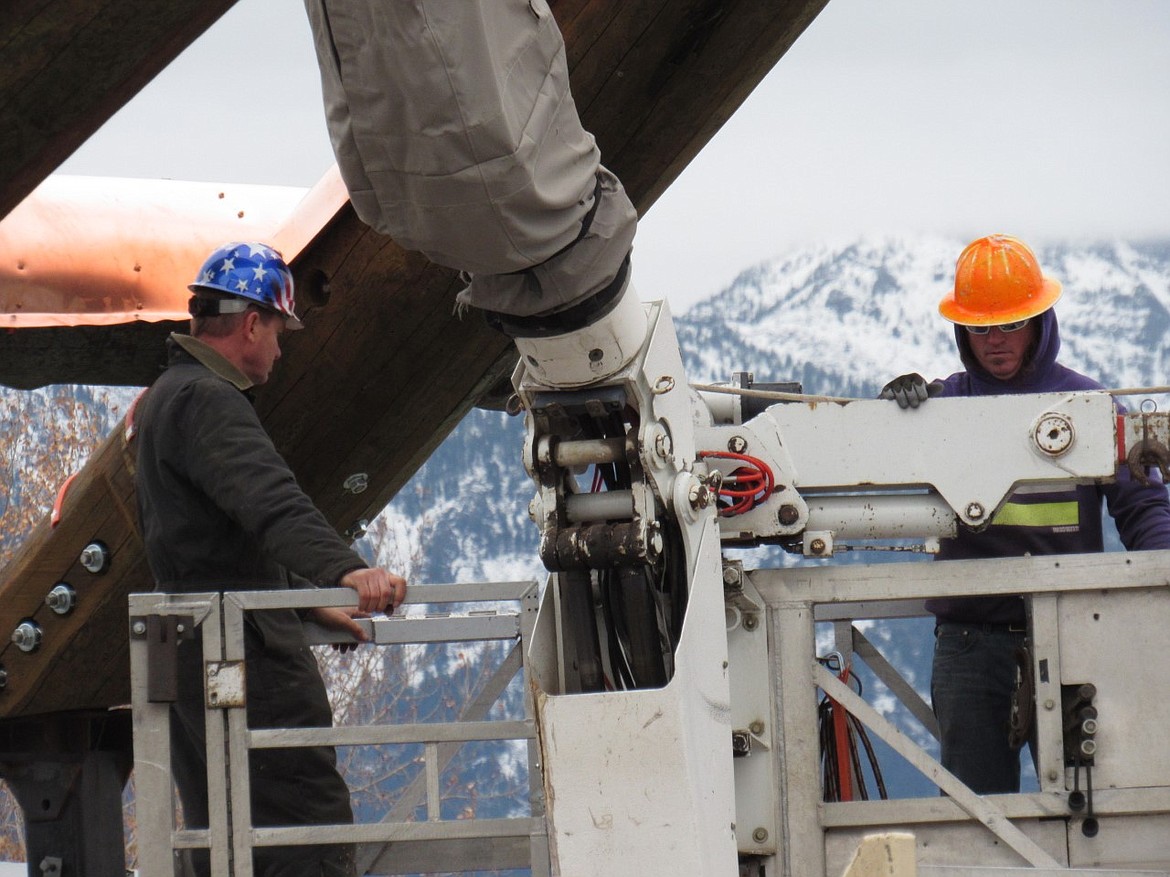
342	618
911	390
378	590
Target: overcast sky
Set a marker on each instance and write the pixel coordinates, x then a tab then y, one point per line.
1041	118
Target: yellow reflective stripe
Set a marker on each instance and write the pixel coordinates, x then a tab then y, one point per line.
1040	514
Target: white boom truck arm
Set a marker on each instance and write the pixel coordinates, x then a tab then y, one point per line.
639	653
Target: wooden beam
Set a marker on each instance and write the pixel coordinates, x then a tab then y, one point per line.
383	374
122	355
83	659
69	65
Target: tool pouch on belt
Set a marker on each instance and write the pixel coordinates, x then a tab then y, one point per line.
1023	699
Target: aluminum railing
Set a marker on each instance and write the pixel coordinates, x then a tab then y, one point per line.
396	844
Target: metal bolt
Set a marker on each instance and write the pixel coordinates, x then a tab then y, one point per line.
663	385
1050	704
789	515
751	622
975	511
731	576
3	677
654	541
61	599
27	636
1053	434
760	835
95	558
663	446
699	496
356	483
1089	727
138	628
817	546
737	444
756	727
179	628
1088	747
357	530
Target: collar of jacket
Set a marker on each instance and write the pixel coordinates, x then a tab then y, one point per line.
208	356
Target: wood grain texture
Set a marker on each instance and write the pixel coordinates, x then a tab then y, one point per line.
71	64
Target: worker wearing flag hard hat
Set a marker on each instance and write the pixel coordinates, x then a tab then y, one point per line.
221	510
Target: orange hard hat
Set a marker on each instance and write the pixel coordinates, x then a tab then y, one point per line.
998	280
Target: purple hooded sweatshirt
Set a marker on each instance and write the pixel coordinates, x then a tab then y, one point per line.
1041	520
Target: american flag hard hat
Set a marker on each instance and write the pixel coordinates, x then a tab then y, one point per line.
251	271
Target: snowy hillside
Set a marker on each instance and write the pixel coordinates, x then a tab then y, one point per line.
845	320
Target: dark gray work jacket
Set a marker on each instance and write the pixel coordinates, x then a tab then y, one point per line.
219	507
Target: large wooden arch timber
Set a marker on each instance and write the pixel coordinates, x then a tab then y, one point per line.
71	64
385	368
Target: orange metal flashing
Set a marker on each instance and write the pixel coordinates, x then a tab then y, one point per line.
55	515
316	210
93	251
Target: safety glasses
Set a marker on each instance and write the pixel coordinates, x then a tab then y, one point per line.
1003	327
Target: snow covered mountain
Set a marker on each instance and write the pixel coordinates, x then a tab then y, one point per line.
844	320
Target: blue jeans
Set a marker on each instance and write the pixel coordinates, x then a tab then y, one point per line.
971	688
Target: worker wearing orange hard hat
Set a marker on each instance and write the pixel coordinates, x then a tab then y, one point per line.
998	280
1001	305
1008	340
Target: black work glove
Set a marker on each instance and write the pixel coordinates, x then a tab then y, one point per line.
911	390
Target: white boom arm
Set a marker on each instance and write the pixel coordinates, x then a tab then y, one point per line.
866	470
649	679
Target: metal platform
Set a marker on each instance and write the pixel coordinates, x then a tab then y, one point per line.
394	845
1098	619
